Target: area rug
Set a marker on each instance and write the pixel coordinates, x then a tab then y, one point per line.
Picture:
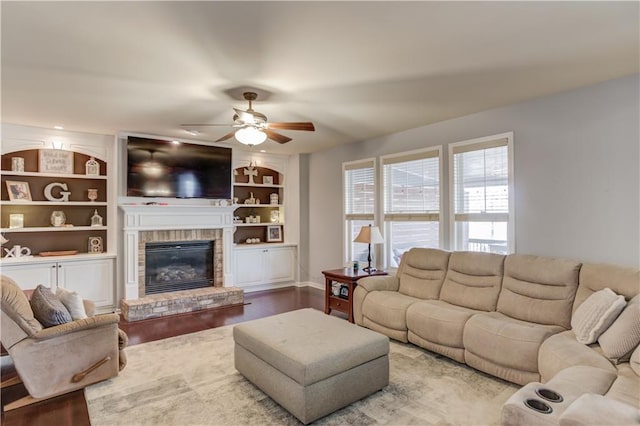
190	380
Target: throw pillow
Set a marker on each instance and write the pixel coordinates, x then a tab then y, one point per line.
634	362
624	334
596	314
73	302
47	308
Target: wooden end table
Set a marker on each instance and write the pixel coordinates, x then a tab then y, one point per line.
345	276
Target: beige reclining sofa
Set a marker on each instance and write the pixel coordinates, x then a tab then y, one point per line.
509	316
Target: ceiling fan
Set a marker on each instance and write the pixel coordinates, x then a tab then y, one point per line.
252	127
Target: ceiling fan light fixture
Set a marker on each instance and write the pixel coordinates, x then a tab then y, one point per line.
250	136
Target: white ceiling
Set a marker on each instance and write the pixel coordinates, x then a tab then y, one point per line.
356	69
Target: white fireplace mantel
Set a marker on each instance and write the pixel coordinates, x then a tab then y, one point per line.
136	218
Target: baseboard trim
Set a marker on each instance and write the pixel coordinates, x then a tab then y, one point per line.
311	284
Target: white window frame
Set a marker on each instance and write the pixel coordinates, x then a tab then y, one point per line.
346	218
416	154
511	226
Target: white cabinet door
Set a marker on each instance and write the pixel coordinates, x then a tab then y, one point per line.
91	279
264	265
29	276
279	264
247	265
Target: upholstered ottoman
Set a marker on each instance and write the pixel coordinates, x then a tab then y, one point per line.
310	363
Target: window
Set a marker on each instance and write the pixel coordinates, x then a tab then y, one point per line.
359	205
411	183
481	178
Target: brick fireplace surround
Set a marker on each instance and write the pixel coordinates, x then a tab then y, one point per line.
163	223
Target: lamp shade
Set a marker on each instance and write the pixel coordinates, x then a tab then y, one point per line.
369	235
250	136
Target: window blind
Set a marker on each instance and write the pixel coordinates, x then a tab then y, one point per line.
482	213
481	183
359	191
412	187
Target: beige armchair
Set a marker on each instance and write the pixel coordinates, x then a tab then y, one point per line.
56	360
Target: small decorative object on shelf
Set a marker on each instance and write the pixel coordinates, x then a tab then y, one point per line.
18	251
63	195
251	199
251	172
275	216
335	289
95	245
273	198
92	194
3	240
58	218
18	191
344	291
96	219
252	240
92	167
274	233
17	164
235	200
16	220
55	161
267	180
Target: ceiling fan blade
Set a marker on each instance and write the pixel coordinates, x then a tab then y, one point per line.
293	126
277	136
227	136
206	125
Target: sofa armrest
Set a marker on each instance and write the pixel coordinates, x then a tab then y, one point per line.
75	326
367	285
593	409
380	283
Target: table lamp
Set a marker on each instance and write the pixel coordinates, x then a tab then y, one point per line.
369	235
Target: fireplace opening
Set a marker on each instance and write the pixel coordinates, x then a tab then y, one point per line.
180	265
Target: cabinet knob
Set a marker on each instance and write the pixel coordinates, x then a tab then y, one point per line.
53	266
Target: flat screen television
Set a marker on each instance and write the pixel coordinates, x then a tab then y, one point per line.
160	168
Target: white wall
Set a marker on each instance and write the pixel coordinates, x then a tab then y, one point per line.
576	169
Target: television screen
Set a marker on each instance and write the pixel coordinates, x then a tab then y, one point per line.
159	168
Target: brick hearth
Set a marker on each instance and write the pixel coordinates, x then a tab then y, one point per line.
178	302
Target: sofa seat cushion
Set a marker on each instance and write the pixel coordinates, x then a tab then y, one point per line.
562	350
439	322
626	387
388	308
506	341
597	410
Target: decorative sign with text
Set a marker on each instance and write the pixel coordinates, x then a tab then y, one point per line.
55	161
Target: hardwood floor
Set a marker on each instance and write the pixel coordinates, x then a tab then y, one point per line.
71	409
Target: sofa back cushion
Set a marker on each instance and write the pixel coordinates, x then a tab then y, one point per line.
422	272
595	277
18	321
473	280
539	289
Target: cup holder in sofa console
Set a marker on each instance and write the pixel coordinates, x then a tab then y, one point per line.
549	395
537	405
